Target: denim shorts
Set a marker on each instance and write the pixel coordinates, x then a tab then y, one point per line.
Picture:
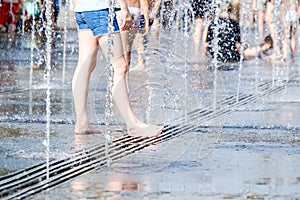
96	21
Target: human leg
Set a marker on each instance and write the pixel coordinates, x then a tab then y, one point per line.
88	49
260	16
205	32
127	41
286	41
131	36
197	34
259	6
139	43
11	35
293	40
254	51
140	48
120	92
155	27
13	21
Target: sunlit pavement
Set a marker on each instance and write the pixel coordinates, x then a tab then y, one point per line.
250	151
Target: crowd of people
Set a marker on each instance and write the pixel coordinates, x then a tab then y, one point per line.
280	26
17	15
276	21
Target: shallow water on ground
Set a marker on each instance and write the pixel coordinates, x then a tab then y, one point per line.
249	151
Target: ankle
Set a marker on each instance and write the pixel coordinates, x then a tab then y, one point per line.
80	126
134	123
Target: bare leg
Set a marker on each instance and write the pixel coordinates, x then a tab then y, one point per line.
260	16
126	52
11	35
286	42
127	41
273	31
155	28
254	51
197	34
139	43
121	99
293	40
88	49
120	93
205	32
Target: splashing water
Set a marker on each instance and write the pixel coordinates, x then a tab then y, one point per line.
110	73
245	8
276	39
49	50
151	100
65	43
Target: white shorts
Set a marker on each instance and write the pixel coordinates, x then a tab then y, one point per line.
291	18
259	4
134	13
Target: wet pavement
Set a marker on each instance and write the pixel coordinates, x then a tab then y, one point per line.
247	147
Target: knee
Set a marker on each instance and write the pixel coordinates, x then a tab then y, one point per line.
93	64
120	67
88	65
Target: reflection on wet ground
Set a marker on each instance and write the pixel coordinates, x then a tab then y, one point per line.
6	68
248	151
233	170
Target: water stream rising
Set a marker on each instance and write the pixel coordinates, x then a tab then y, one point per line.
49	51
109	75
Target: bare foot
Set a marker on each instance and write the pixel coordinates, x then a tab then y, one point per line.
145	131
87	131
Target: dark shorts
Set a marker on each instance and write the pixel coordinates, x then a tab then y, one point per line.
96	21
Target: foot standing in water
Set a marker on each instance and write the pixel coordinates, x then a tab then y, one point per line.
92	21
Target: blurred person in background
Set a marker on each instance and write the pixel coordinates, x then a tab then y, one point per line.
258	8
160	15
203	12
283	27
227	34
9	16
136	7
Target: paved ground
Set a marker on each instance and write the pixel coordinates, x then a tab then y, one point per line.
246	150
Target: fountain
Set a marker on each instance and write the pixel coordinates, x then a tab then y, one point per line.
247	112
